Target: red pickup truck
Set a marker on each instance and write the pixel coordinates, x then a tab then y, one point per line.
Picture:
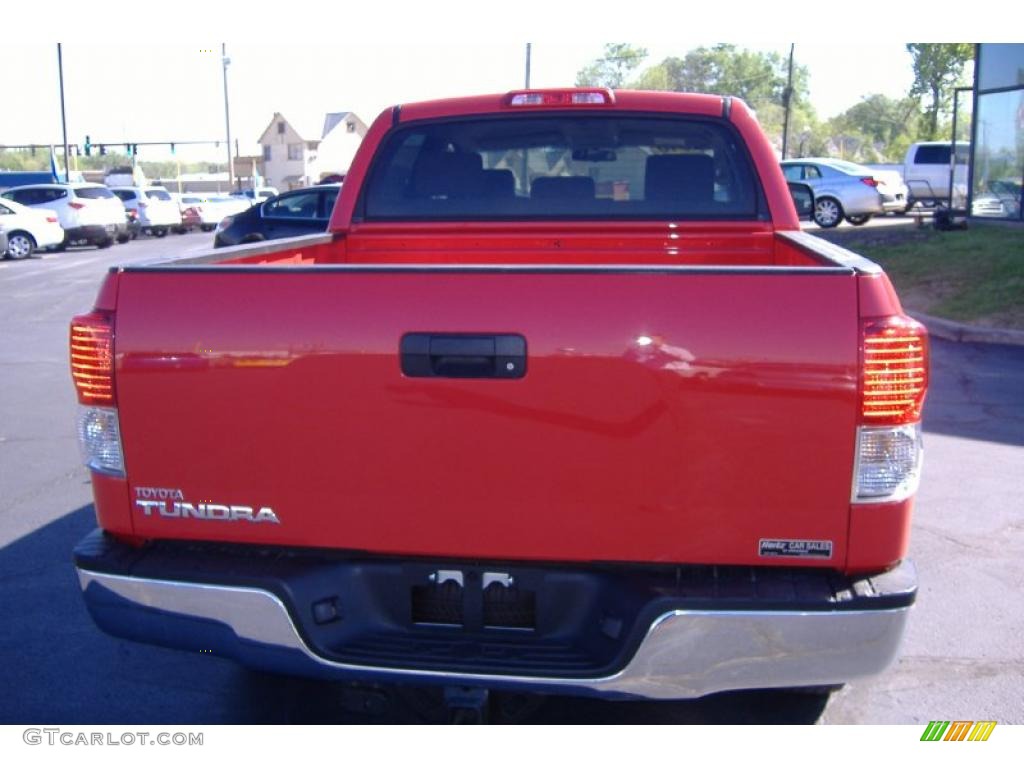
562	401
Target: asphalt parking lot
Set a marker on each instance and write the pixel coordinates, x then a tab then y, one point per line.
961	659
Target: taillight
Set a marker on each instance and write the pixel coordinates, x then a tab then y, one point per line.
894	371
51	219
92	358
76	206
92	369
869	181
894	380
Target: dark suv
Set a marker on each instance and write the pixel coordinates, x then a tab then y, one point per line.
299	212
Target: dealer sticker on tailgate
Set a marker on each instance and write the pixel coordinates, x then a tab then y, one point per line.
795	548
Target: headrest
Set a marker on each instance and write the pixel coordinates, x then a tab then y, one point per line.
687	178
447	175
499	183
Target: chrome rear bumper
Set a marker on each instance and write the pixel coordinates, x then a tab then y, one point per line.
684	654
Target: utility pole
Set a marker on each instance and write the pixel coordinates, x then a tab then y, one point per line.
787	99
528	47
227	114
63	117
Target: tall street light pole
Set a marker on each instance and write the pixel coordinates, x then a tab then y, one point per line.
227	114
787	100
529	46
63	117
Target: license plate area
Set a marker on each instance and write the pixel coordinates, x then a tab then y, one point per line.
469	599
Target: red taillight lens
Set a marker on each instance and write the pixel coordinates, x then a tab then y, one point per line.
869	181
77	206
894	371
92	358
51	219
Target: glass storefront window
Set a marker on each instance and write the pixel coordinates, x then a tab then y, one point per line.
999	155
1001	65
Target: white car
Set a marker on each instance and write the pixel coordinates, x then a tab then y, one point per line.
88	213
157	211
895	193
256	196
28	229
211	208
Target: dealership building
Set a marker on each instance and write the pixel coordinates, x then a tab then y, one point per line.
997	140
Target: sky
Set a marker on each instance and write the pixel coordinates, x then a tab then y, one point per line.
163	81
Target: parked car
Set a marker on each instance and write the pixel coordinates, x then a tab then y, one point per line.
998	200
210	210
191	218
299	212
157	211
841	189
254	196
229	205
29	229
88	213
925	171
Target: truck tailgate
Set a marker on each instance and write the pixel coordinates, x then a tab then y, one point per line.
666	415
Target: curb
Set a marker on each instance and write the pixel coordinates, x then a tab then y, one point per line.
947	329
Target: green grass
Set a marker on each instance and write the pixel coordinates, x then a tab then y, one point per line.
965	275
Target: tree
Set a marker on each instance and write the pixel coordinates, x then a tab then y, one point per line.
885	126
938	68
757	77
612	69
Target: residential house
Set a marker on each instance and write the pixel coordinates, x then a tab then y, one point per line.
298	155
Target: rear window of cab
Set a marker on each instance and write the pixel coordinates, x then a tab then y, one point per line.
580	166
93	193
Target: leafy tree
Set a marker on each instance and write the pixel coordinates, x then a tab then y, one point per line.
938	68
883	127
757	77
612	69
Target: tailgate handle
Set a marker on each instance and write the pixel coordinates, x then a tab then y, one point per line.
463	355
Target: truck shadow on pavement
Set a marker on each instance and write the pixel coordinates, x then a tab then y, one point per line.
59	668
976	391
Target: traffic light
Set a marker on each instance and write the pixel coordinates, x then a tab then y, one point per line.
88	146
172	147
103	149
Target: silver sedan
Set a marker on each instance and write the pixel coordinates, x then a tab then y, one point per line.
841	189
